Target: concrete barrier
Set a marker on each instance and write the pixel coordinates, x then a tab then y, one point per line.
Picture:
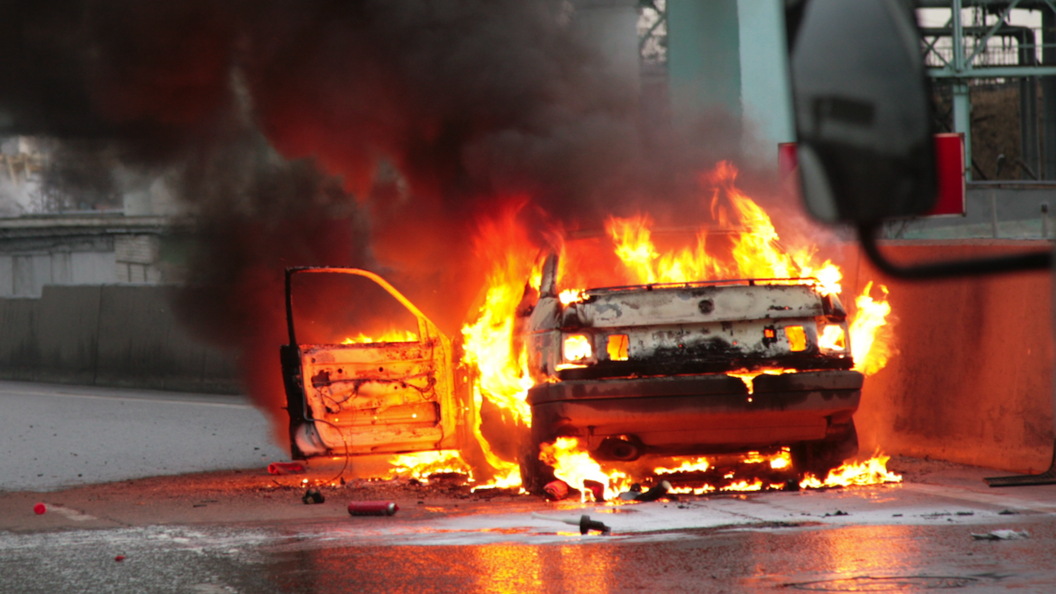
972	380
110	335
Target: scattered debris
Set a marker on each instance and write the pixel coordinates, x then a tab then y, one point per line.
372	508
965	513
633	494
838	512
585	523
286	468
556	490
597	490
312	496
1008	512
39	509
1002	535
655	493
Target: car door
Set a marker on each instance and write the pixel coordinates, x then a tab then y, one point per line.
371	396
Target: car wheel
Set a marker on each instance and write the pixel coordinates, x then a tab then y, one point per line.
819	457
535	474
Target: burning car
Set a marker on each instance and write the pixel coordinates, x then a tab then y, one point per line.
658	369
690	368
719	342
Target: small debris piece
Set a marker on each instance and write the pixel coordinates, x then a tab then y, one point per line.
556	490
1002	535
119	558
39	509
372	508
597	490
965	513
1008	512
655	493
838	512
631	495
896	515
286	468
312	496
586	525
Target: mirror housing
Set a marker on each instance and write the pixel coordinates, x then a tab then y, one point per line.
863	118
862	110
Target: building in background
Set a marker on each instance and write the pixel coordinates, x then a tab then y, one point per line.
52	239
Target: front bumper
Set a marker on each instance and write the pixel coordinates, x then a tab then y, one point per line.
697	414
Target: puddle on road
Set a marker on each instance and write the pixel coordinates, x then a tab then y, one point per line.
888	583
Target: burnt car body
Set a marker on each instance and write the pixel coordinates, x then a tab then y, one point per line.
628	370
372	397
639	370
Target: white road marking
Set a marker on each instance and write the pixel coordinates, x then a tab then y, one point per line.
71	514
1005	499
122	398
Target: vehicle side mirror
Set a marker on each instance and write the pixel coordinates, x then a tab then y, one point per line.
863	118
862	110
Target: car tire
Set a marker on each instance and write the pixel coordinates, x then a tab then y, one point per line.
819	457
535	474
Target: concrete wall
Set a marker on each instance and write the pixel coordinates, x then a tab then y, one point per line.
25	275
109	335
972	380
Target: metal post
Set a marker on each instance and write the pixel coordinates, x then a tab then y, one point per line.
993	212
1048	95
962	104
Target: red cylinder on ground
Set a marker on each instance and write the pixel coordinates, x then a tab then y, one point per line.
39	509
372	508
556	490
286	468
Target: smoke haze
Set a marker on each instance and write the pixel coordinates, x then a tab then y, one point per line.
373	134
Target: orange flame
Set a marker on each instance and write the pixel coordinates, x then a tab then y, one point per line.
390	335
422	465
574	465
490	341
869	472
690	465
755	253
748	376
870	349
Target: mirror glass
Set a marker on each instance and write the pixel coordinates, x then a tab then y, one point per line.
862	112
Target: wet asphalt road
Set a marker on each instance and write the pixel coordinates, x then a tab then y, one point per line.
58	435
758	559
908	538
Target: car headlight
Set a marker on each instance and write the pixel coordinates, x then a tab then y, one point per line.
832	337
576	348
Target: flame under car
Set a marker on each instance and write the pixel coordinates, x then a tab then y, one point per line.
646	369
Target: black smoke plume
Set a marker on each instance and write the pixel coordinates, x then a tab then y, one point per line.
368	133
